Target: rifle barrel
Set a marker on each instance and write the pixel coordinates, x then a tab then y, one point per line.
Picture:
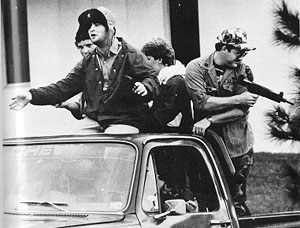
264	92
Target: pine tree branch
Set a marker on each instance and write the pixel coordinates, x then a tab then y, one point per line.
295	76
277	120
287	27
294	125
286	19
287	39
282	126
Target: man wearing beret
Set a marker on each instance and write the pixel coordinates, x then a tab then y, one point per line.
83	42
221	104
116	80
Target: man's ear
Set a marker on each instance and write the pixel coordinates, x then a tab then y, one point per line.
224	48
159	60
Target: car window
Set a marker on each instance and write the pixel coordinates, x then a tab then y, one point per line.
85	176
150	196
183	174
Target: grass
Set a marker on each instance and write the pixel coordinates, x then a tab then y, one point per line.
269	183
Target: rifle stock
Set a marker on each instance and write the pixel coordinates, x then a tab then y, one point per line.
263	91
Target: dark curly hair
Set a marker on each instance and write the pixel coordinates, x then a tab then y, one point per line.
159	48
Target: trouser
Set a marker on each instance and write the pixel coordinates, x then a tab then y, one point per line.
90	125
121	129
242	166
123	124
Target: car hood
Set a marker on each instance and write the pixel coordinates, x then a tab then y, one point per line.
67	220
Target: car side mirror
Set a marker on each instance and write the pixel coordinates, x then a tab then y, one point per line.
175	207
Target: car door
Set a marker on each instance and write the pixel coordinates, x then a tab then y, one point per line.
182	169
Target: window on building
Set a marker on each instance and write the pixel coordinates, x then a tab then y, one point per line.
185	29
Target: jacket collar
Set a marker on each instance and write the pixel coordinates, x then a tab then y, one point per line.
114	49
168	72
208	64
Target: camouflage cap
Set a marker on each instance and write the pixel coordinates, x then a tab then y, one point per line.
236	37
110	17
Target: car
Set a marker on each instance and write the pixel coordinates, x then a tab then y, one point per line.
131	180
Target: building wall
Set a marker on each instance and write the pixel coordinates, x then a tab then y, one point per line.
269	63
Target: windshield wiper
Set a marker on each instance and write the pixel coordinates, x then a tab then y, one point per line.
47	203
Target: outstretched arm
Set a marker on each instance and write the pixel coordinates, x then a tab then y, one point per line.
54	93
20	101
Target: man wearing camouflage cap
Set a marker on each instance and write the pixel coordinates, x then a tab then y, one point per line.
116	80
222	105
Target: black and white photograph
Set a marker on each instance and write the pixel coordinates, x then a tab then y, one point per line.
150	113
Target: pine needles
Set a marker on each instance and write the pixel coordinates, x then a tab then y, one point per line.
285	125
287	27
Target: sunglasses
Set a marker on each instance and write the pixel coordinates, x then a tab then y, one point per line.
239	53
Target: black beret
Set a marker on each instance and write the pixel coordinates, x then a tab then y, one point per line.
81	34
92	16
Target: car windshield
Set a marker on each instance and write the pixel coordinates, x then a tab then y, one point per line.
75	177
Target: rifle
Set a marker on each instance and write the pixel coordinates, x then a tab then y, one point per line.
263	91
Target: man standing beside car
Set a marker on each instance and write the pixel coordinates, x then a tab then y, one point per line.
223	105
116	80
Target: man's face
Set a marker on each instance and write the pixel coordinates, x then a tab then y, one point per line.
154	63
234	57
85	47
98	34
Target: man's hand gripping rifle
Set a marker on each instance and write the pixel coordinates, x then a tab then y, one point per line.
262	91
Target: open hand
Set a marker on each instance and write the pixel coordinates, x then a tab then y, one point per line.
20	101
140	89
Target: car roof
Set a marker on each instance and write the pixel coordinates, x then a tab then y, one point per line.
94	137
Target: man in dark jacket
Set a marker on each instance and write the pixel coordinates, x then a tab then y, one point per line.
116	81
